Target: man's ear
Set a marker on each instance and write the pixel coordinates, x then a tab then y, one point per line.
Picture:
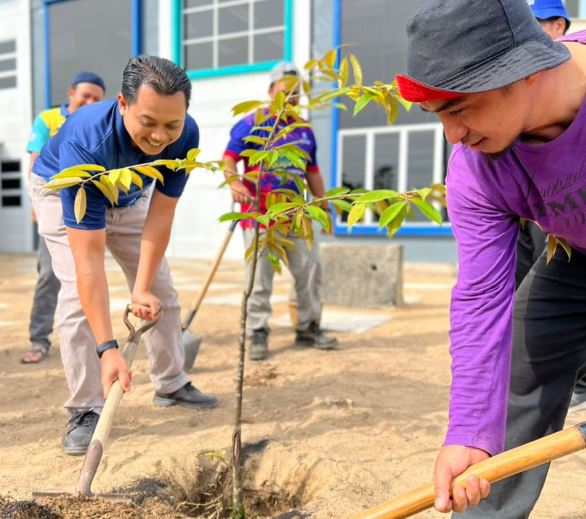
122	104
70	91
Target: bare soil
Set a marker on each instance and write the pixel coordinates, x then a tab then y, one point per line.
329	433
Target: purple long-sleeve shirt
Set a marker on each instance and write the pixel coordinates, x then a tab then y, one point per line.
486	196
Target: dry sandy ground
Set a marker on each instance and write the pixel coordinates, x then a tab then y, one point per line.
348	429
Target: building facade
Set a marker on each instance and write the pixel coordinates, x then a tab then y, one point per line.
227	48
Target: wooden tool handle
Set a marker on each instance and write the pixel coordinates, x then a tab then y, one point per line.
493	469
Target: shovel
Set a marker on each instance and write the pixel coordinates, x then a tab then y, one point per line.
493	469
190	340
102	432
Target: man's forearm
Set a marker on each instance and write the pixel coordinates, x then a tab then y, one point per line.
315	183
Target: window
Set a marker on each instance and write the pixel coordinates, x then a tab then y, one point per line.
214	37
370	153
10	184
103	44
7	64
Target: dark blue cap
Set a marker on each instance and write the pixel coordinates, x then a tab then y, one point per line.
89	77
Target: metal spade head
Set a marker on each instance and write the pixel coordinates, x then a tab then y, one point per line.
191	343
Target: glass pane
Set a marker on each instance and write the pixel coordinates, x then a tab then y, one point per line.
8	82
7	46
233	51
102	46
199	56
197	3
233	19
269	47
269	13
198	25
7	64
386	161
377	36
420	165
353	163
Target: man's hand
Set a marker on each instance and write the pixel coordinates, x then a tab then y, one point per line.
240	194
452	460
146	305
114	368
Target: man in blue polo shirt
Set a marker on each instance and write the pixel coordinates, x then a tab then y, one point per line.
86	88
148	121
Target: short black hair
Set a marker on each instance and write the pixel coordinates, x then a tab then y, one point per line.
554	18
162	75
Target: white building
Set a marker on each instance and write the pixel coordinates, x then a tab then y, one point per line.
227	47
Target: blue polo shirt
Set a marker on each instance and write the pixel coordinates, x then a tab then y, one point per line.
95	134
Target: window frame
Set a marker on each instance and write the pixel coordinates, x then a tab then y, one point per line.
341	228
136	39
177	46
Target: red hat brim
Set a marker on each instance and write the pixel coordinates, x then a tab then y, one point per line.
417	92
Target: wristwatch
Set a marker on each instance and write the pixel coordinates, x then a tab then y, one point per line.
105	346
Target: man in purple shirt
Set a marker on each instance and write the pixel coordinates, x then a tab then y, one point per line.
512	101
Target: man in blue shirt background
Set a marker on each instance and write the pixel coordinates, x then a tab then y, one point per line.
86	88
148	121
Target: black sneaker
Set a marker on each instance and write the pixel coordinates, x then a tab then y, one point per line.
187	396
315	337
259	345
80	430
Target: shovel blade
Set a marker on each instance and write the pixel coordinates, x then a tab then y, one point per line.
191	343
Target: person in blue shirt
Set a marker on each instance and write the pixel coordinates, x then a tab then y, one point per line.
147	121
86	88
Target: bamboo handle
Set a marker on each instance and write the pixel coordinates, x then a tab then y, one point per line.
493	469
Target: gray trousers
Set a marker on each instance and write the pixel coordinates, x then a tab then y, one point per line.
45	298
123	234
549	349
305	267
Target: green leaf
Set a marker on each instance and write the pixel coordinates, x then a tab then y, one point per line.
423	192
256	139
228	217
428	210
357	69
171	164
318	214
282	207
363	101
391	212
245	107
60	183
80	205
395	224
263	219
337	191
356	214
151	172
343	205
378	195
257	157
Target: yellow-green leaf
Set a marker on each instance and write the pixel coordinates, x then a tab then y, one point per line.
85	167
192	154
104	189
566	247
395	224
113	176
330	57
245	107
356	214
363	101
357	69
72	173
551	247
136	179
80	205
60	183
125	179
343	73
151	172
